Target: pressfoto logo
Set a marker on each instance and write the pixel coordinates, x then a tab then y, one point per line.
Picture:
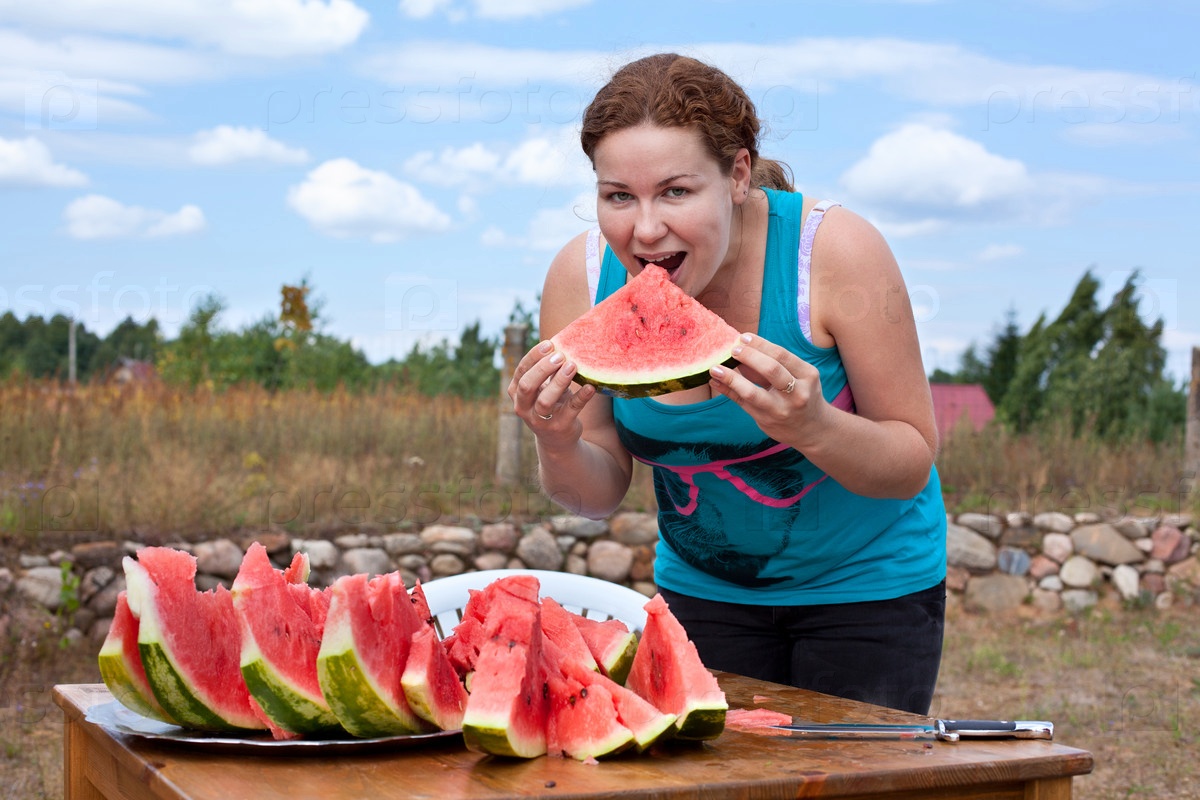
1142	104
55	101
420	304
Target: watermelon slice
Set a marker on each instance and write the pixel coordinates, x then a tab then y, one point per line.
431	684
282	620
645	723
190	643
368	635
506	710
121	665
611	643
562	631
647	338
668	672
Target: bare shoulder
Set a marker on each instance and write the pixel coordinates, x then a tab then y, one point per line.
565	294
848	242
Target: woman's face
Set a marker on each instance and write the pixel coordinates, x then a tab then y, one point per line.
663	199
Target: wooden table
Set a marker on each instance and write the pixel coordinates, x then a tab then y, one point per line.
104	765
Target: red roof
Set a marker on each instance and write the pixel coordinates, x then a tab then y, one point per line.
953	401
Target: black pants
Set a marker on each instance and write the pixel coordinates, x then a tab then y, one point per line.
884	652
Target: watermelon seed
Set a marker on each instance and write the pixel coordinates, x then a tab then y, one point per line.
583	692
552	784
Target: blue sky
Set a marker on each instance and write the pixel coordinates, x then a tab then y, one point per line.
417	161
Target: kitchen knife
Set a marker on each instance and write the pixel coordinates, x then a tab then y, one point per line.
948	730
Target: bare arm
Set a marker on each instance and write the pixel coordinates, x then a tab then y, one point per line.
860	303
581	463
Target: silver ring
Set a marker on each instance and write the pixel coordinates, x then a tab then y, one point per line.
545	416
791	385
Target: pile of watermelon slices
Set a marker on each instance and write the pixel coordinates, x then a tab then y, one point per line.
520	675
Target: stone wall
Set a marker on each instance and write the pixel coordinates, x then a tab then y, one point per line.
1052	561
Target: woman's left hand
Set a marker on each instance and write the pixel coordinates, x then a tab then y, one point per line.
780	390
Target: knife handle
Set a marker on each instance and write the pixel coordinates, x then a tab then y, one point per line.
1009	729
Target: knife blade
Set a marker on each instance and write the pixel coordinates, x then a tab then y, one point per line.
947	730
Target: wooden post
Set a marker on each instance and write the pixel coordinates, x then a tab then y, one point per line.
1191	447
508	441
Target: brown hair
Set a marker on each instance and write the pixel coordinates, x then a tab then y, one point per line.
671	90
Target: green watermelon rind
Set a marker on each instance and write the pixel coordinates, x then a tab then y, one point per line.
701	721
622	387
617	663
496	738
287	707
115	672
358	703
177	697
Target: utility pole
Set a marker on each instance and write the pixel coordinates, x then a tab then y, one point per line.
508	442
1191	447
71	352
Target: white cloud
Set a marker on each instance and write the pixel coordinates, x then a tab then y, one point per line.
544	161
227	145
996	252
423	9
463	166
341	198
549	228
276	28
918	173
488	9
517	9
27	162
99	217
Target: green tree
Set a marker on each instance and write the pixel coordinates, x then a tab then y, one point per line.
1096	369
188	359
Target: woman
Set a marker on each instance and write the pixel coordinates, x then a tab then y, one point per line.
802	532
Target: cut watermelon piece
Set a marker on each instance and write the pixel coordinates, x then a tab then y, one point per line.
645	722
368	635
190	643
647	338
611	643
562	631
582	721
282	621
668	672
431	684
507	706
121	665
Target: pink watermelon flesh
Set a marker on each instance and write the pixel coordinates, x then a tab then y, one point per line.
582	720
122	643
561	629
647	724
647	338
431	684
465	641
668	672
420	604
283	618
200	637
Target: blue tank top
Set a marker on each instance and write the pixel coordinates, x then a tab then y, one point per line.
745	519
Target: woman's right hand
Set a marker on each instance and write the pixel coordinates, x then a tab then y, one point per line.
544	396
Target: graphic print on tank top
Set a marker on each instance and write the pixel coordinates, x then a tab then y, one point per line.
756	501
767	473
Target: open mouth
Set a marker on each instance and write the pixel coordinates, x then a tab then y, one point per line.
670	262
